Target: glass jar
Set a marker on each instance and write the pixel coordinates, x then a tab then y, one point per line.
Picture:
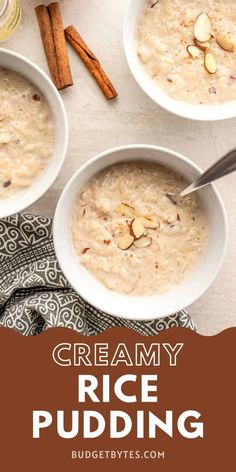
10	15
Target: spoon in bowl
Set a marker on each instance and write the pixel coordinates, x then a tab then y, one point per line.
224	166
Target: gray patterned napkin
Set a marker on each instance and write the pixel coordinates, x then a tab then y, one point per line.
34	294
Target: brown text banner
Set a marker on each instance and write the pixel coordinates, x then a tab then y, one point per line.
116	400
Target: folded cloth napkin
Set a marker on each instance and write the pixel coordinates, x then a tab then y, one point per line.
34	294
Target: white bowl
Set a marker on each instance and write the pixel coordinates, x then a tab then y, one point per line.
180	108
34	74
140	307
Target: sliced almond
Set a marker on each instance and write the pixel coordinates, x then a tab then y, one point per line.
137	229
149	222
202	28
125	241
193	51
203	46
126	210
144	241
210	63
225	42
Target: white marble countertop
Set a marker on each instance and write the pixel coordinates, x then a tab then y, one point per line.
96	125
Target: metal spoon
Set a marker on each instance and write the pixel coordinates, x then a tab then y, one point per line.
224	166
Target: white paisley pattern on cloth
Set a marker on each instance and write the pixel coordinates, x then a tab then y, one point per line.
34	294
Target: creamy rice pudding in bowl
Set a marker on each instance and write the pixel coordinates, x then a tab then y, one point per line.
125	247
183	55
33	133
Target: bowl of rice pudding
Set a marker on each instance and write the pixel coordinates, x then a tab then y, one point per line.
33	133
125	247
183	55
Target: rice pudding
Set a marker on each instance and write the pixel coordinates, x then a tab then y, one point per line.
188	48
130	236
26	133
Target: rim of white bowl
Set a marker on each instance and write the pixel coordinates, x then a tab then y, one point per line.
37	195
178	108
102	306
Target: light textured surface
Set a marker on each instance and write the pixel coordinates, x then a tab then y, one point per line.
96	125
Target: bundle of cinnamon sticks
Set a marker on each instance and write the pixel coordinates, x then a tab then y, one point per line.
54	43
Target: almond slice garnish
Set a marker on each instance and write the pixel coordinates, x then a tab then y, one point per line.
210	63
126	210
125	241
137	229
203	46
193	51
225	42
202	28
149	222
144	241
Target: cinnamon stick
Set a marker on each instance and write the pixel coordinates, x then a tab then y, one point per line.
60	45
91	62
48	42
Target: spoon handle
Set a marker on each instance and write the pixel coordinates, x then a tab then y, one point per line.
224	166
